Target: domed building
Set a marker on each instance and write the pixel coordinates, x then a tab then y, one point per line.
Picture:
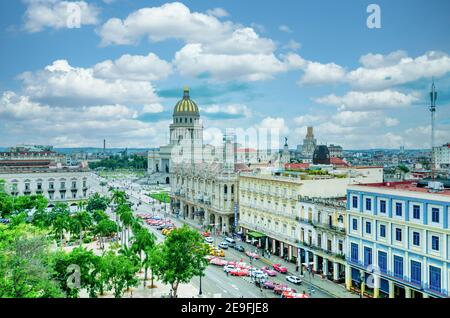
321	155
185	145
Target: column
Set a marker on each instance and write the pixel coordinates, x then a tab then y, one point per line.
324	266
425	295
335	271
273	246
376	287
363	281
348	277
267	243
392	289
316	263
407	292
206	218
307	258
281	249
290	252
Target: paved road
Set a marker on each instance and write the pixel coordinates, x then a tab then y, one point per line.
216	283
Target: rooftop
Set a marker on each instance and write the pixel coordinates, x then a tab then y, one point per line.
405	186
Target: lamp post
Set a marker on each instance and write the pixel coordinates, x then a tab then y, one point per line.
200	292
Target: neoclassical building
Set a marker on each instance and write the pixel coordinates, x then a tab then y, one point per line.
186	141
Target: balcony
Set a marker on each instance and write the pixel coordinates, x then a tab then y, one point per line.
327	226
304	221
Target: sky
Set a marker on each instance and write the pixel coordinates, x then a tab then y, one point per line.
73	73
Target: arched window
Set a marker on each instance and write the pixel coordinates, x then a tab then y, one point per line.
225	189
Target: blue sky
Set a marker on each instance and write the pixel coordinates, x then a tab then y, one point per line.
276	64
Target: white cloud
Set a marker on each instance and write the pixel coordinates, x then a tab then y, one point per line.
192	60
152	108
171	20
317	73
218	12
292	45
391	122
32	122
369	100
396	69
277	123
233	110
308	119
134	68
41	14
62	84
284	28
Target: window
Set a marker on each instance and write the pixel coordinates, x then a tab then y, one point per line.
354	252
435	278
63	185
398	266
416	238
398	209
355	202
382	206
398	235
416	212
435	243
367	256
435	215
368	204
382	261
51	186
416	273
368	228
355	224
383	230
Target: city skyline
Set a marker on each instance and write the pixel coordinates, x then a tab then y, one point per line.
302	64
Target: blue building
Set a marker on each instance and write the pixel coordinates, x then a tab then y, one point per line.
398	240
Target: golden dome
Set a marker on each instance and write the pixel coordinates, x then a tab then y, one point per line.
186	106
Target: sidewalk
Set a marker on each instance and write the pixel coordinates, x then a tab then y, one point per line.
337	290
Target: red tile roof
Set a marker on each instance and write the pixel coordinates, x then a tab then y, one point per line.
299	166
339	162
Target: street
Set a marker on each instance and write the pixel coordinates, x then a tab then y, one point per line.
216	283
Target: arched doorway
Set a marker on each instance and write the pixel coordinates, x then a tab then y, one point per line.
167	180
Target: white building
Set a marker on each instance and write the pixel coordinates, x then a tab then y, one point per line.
398	240
442	156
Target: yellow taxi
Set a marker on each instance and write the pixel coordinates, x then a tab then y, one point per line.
219	253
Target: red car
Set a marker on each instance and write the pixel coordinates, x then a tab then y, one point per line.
239	272
282	288
206	234
268	271
269	285
218	262
280	268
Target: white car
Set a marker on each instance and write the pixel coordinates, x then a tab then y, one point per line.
223	245
294	279
209	239
258	274
228	268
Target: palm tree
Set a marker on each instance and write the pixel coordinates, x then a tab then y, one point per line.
127	219
83	220
60	224
81	205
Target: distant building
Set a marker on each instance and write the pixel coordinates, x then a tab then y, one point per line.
29	171
321	155
335	151
309	144
442	156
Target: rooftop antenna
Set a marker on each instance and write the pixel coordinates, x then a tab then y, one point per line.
433	97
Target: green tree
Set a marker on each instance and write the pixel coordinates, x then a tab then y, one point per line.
105	228
82	220
24	270
97	202
183	257
121	272
153	261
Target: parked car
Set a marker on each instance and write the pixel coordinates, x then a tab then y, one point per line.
259	274
218	261
228	268
209	239
268	271
205	234
281	288
269	284
252	255
239	272
230	241
279	268
294	279
223	245
239	248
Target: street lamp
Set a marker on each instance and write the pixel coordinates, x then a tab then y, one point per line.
200	292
